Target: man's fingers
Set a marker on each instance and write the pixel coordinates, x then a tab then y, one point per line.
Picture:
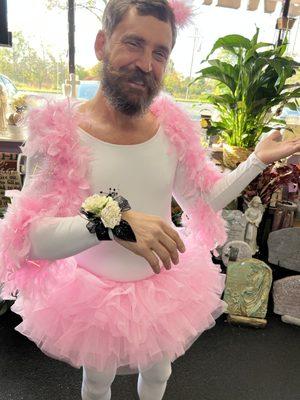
152	260
171	247
163	254
156	240
296	144
275	135
174	235
290	147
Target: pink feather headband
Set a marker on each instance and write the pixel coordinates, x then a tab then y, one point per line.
183	12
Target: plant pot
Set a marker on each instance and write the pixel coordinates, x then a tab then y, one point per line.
234	155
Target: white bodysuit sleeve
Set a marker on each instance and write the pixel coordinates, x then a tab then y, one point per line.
54	238
225	190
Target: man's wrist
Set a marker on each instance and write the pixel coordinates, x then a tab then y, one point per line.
126	214
261	162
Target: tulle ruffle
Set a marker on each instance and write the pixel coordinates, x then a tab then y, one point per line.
83	319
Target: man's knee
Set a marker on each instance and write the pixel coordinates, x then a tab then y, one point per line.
95	380
159	373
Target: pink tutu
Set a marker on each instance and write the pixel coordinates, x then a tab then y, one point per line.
84	319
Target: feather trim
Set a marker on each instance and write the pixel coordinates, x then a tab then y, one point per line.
183	12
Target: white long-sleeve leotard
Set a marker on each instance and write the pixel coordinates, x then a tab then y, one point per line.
147	175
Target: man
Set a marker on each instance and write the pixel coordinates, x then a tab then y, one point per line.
118	303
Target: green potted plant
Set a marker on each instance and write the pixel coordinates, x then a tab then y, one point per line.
252	84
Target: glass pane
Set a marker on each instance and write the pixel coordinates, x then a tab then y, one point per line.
11	89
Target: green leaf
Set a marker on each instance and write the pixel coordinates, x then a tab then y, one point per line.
294	93
280	50
292	106
253	51
212	130
255	37
277	121
216	74
267	128
225	99
225	68
230	42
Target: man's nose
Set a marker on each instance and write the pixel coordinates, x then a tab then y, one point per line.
145	62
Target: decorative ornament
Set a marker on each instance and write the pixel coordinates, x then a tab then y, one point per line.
183	12
104	212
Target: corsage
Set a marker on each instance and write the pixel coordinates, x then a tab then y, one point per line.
104	213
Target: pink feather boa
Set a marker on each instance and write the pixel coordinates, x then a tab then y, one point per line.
63	175
207	225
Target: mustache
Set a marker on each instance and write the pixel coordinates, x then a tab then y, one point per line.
145	77
138	75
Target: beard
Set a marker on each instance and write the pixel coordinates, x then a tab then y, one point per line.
127	99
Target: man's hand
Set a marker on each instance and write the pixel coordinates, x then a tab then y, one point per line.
153	235
273	149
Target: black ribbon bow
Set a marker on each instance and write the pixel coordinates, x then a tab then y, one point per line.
122	231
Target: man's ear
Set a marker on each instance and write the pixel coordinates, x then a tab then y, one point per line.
100	45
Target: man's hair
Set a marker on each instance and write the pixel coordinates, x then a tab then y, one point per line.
116	10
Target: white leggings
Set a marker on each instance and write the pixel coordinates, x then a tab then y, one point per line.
152	382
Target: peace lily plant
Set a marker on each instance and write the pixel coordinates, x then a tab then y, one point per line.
253	85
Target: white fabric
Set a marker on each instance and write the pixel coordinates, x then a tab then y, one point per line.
147	175
96	385
151	384
226	189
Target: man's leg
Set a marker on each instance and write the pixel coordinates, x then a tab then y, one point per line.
96	385
152	383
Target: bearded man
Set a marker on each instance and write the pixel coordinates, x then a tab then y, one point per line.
125	291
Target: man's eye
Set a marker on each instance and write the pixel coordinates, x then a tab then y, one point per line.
133	44
160	56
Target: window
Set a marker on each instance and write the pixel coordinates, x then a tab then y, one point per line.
10	88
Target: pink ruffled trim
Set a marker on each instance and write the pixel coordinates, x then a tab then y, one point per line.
107	324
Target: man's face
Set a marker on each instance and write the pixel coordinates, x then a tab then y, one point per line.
134	61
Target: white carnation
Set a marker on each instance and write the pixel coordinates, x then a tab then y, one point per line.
111	214
95	204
